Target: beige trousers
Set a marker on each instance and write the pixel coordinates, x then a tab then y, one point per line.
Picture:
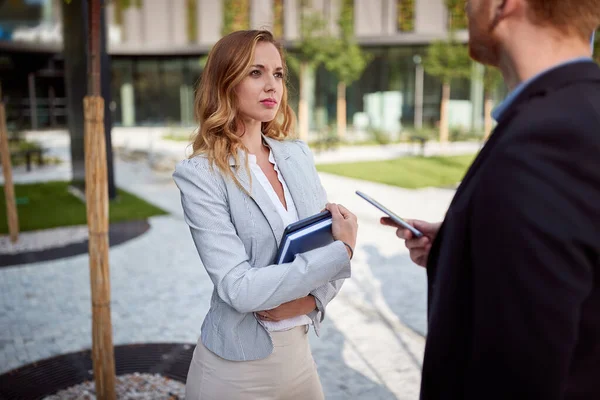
289	373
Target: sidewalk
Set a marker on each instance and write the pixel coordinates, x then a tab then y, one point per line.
372	342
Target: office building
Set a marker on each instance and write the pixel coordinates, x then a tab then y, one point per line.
157	49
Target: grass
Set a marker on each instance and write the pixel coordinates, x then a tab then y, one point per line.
177	138
406	172
49	205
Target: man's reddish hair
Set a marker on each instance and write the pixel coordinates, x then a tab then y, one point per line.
578	16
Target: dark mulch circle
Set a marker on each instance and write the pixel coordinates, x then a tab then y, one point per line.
46	377
118	233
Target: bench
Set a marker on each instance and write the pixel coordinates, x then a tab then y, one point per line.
29	156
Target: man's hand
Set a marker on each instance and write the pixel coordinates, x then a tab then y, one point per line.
419	247
294	308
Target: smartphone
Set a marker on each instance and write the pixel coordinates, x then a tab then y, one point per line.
392	216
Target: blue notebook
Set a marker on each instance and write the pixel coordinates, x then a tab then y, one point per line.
305	235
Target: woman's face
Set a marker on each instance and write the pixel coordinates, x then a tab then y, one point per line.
259	93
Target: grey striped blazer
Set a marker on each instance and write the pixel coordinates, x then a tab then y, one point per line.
237	236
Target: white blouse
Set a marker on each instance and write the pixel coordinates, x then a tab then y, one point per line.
287	216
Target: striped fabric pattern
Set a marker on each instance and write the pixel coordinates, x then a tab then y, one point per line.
237	237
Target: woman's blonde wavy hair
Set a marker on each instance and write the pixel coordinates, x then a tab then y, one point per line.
216	105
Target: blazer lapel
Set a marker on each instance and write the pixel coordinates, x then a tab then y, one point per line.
293	175
260	197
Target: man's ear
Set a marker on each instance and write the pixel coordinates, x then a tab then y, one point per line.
502	9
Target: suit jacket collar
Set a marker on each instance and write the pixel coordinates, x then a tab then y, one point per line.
552	80
542	86
293	176
499	110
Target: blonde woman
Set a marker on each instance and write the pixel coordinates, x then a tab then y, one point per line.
245	182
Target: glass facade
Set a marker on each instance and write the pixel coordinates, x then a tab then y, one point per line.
391	75
159	91
30	21
154	90
384	97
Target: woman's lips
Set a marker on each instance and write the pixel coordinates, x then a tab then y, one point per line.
269	103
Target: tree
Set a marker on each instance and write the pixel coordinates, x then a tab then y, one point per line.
447	60
75	16
9	189
346	60
491	80
311	52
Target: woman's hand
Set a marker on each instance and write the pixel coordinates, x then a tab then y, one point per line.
294	308
345	225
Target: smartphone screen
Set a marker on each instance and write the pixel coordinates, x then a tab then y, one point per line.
390	214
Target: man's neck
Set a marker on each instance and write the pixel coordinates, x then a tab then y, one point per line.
528	58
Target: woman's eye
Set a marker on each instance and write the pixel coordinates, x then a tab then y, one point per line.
255	73
279	75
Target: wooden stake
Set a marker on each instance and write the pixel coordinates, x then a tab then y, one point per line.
96	194
9	189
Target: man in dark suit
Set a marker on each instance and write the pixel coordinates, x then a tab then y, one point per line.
514	269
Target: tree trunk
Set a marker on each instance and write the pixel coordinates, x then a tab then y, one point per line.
341	110
9	190
75	32
444	114
96	192
488	107
302	104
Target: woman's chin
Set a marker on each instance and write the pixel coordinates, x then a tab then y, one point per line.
267	118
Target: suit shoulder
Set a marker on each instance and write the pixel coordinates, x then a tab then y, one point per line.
199	167
566	116
197	162
300	145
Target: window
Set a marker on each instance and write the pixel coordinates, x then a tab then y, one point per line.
278	18
405	15
192	20
457	17
236	15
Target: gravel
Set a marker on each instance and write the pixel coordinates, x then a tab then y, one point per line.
129	387
44	239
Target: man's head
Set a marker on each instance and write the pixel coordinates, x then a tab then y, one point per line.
494	23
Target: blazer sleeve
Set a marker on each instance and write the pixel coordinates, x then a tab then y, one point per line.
533	266
326	292
247	289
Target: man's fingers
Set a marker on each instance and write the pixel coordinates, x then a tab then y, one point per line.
417	255
417	243
422	261
404	234
388	222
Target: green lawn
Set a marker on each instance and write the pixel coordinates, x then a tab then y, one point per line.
48	205
406	172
